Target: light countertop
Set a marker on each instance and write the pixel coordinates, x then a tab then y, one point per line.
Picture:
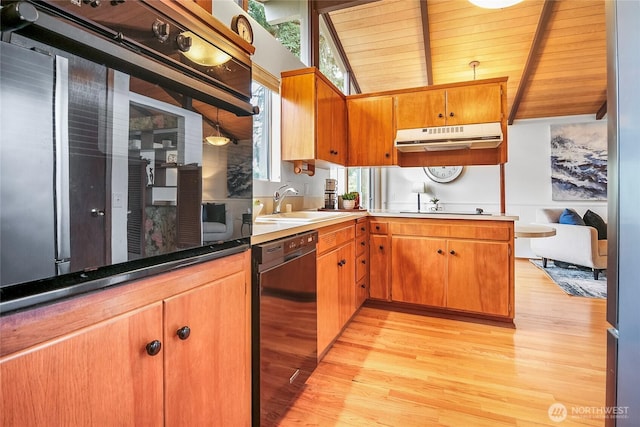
264	232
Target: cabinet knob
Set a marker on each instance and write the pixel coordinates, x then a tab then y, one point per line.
184	332
452	252
363	286
362	244
387	155
381	247
440	116
377	227
153	347
440	251
451	114
362	228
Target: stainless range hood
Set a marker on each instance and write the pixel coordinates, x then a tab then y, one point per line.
477	136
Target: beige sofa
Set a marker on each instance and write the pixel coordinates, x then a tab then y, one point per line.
572	244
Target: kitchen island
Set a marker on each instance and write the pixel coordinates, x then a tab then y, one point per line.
454	263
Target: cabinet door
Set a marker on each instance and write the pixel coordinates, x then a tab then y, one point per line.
371	131
328	278
347	283
98	376
331	142
478	276
419	270
298	108
474	104
379	256
207	377
420	109
339	128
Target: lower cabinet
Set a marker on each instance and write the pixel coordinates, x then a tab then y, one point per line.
458	265
99	376
181	360
335	282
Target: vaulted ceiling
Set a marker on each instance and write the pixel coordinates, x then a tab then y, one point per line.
552	51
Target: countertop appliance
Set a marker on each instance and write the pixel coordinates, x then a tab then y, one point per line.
284	310
103	167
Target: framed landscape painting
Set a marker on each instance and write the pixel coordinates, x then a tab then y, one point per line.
579	161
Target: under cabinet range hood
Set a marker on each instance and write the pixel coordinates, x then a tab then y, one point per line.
484	135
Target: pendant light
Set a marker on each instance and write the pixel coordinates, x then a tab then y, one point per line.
217	140
494	4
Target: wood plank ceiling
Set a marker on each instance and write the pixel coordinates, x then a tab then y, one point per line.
553	52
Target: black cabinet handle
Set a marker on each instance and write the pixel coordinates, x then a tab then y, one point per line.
387	155
363	286
377	227
452	252
184	332
153	347
363	244
362	228
440	116
440	251
364	261
451	114
381	247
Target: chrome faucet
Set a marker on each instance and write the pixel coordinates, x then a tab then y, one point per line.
279	196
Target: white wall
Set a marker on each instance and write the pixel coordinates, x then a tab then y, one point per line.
527	180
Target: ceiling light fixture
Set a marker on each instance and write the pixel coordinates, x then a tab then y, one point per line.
217	140
474	65
494	4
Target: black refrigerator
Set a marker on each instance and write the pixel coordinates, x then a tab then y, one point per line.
623	302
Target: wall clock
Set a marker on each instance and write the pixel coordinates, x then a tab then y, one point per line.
443	174
241	25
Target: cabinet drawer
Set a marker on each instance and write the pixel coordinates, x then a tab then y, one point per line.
362	266
361	245
332	237
362	227
481	230
378	227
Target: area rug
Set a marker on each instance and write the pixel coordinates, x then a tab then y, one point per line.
574	280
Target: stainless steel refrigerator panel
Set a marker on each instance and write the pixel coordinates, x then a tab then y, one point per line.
63	236
27	248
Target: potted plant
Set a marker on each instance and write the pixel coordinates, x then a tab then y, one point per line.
349	200
434	203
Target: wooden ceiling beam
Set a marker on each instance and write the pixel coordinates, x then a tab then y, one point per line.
424	16
529	66
602	111
326	6
343	55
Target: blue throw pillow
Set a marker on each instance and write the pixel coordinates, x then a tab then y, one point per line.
594	220
571	217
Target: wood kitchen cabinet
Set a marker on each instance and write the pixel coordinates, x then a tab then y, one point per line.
97	376
379	261
371	131
458	265
467	104
335	282
314	118
122	356
362	261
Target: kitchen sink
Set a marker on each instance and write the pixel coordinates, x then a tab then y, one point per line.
299	216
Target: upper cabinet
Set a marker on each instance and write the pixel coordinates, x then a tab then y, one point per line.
371	131
313	118
469	104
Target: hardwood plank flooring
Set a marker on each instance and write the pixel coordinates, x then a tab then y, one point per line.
399	369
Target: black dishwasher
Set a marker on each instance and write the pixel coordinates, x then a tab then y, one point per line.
284	332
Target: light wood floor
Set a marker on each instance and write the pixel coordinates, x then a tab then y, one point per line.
398	369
